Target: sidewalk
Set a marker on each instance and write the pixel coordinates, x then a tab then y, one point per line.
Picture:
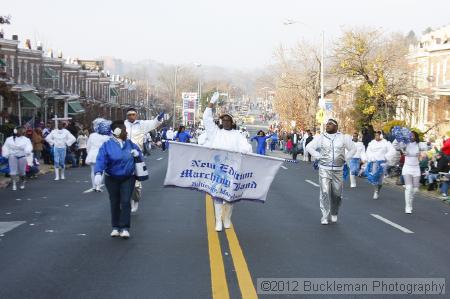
4	181
388	180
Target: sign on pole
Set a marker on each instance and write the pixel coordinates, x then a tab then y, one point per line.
189	107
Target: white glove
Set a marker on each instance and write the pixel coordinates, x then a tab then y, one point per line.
134	153
214	98
98	180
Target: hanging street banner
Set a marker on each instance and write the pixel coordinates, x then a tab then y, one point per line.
228	175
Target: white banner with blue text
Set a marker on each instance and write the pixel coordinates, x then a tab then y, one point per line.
223	174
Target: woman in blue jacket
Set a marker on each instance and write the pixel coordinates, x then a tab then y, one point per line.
182	135
261	139
116	159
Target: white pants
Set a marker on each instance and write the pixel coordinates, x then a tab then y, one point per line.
17	166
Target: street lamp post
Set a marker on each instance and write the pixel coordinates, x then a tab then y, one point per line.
175	95
199	92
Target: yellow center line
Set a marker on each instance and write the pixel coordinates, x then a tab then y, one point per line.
240	265
218	279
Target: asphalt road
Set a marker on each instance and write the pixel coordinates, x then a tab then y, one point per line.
61	247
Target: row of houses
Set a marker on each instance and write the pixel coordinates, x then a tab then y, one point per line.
37	86
430	60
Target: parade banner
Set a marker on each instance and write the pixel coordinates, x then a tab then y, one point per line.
228	175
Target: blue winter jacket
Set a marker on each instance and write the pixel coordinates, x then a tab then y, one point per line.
115	161
183	137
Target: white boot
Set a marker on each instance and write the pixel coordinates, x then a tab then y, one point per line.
56	174
22	183
63	177
408	208
375	194
14	183
227	210
411	197
352	181
134	206
218	208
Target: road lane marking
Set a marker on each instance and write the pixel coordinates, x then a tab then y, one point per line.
284	167
240	265
397	226
10	225
312	183
218	279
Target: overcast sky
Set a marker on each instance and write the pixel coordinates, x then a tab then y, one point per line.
230	33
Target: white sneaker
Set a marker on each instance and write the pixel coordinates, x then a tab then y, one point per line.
408	211
353	186
334	218
375	195
115	233
63	177
125	234
22	185
14	187
324	221
134	206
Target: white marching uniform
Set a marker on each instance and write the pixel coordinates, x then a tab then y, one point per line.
94	143
17	150
335	149
411	170
231	140
136	132
359	156
379	152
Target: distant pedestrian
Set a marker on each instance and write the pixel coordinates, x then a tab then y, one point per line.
82	145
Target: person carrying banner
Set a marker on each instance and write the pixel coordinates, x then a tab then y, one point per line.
136	130
16	149
378	152
226	138
60	139
331	158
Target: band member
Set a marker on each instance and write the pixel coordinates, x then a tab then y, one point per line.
378	152
102	132
411	169
116	159
136	130
261	140
355	161
226	138
16	149
60	139
331	158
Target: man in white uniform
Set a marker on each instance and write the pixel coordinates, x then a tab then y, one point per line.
136	130
225	138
